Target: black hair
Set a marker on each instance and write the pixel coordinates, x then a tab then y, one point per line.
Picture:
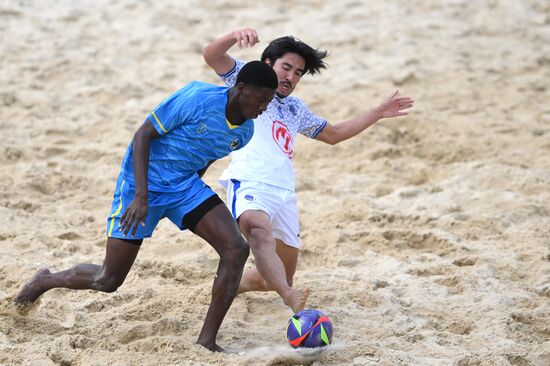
313	57
259	74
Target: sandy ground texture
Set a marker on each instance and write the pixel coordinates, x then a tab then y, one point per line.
425	239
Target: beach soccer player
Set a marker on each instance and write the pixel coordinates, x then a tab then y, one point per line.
260	177
160	177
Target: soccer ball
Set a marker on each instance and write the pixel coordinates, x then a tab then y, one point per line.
310	329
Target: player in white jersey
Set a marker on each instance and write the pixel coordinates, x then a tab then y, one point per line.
260	177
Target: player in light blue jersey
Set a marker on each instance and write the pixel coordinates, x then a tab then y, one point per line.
160	177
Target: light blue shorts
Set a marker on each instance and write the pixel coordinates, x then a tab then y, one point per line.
174	205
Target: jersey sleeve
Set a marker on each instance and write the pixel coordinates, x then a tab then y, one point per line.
310	124
230	77
182	106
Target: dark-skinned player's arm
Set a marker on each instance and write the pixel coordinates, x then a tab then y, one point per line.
215	54
137	210
392	106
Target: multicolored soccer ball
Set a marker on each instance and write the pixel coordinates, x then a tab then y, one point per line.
310	329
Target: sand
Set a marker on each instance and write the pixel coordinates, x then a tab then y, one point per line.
425	239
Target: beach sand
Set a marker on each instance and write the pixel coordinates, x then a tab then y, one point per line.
426	239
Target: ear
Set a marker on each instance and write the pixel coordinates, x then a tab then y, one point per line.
242	88
268	61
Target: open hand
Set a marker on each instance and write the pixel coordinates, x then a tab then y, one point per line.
246	37
394	106
133	216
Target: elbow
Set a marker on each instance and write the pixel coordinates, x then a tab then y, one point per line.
331	139
207	56
331	135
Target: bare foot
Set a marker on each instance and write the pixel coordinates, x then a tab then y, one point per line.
212	347
32	289
296	299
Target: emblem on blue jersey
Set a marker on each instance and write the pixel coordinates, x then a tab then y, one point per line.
249	197
292	109
234	144
201	129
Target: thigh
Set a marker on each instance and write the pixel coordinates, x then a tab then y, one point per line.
286	226
120	255
124	195
219	229
254	223
192	204
245	196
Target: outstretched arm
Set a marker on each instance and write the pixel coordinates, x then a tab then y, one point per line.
392	106
215	54
137	210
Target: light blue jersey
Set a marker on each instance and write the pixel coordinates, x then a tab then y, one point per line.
194	131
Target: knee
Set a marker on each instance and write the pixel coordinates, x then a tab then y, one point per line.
258	236
238	250
243	249
108	283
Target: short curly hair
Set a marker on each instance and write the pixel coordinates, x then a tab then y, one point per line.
259	74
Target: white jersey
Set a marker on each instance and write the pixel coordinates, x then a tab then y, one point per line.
267	158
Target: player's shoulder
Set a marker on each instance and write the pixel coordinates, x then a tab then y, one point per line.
201	86
202	91
294	100
237	66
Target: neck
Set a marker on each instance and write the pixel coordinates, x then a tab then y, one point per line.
232	110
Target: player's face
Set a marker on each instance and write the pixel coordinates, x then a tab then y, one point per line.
289	69
254	100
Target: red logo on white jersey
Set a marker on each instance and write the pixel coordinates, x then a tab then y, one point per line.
282	137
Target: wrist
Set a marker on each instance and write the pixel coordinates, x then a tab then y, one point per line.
141	196
377	114
234	36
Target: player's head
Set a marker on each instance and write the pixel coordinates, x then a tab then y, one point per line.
291	59
256	83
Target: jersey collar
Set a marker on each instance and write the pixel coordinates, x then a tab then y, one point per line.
231	127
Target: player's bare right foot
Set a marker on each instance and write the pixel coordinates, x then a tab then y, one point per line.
296	299
32	289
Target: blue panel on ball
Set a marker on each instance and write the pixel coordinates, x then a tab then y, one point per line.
303	330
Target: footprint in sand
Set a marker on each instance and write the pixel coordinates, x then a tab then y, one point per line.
69	236
42	187
426	242
52	151
453	283
13	154
465	261
163	327
109	303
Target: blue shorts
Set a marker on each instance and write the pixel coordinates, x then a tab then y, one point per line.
174	205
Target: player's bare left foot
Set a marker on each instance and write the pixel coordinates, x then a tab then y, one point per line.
32	289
